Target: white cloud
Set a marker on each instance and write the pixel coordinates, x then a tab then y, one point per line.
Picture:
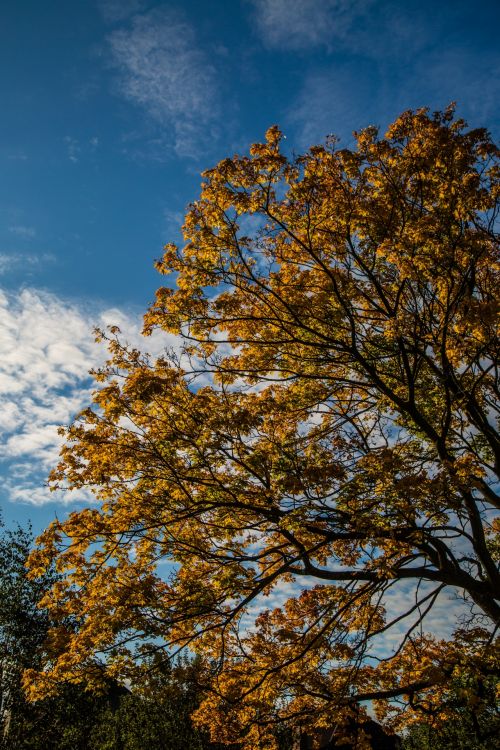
12	261
114	11
46	350
10	417
73	148
173	224
162	70
7	261
26	233
301	24
17	156
76	150
372	30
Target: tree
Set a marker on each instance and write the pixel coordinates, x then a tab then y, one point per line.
22	626
56	723
476	724
159	716
74	719
326	437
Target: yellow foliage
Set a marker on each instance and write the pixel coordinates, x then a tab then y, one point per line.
326	438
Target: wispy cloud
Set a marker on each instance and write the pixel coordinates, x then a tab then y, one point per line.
301	24
173	221
46	350
162	69
26	233
73	148
114	11
17	156
333	101
364	27
458	73
340	98
15	261
76	149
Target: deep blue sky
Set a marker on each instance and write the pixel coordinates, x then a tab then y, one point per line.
109	111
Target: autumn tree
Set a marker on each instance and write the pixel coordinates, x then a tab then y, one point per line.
326	438
73	718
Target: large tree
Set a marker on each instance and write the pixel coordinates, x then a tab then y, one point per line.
327	438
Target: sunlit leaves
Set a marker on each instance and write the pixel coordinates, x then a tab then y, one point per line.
330	437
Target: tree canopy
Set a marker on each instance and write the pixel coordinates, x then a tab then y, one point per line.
326	438
74	718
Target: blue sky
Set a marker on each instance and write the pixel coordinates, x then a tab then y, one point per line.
110	110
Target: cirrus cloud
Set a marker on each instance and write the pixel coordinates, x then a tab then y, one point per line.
302	24
163	70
